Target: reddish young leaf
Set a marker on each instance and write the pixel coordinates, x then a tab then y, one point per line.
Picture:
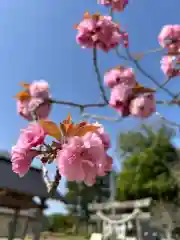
140	89
23	95
86	15
24	85
51	128
75	26
66	124
81	131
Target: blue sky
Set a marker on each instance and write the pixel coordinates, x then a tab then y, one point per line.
37	41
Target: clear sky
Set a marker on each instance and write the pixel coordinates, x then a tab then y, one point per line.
37	41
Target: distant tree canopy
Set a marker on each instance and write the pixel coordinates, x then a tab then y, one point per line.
81	194
136	141
59	222
145	168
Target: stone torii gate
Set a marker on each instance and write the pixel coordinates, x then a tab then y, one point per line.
116	223
18	193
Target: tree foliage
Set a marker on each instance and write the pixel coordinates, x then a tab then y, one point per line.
136	141
145	169
59	222
81	194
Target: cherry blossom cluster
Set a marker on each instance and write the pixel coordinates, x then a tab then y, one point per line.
34	99
79	150
126	95
169	39
116	5
100	32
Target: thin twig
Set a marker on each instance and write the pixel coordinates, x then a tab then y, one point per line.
46	178
78	105
138	66
51	185
168	121
55	183
98	75
166	82
153	51
120	55
97	117
172	102
177	96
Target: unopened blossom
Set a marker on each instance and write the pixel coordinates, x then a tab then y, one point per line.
98	31
170	65
120	75
143	105
37	103
21	159
23	153
169	38
80	157
117	5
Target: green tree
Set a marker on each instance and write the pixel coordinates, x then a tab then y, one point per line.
58	222
80	194
145	168
135	142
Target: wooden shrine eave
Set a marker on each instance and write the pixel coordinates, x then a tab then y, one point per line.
32	184
10	202
13	200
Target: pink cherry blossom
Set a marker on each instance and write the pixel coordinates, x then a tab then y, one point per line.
25	108
98	31
120	98
120	75
108	164
21	159
106	167
122	108
117	5
120	93
169	65
103	136
32	136
39	89
169	37
125	39
38	103
22	153
80	157
143	105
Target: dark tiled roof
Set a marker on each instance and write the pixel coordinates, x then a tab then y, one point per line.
31	184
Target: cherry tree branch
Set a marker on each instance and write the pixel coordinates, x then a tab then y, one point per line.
97	117
102	90
138	66
168	121
120	55
51	185
78	105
